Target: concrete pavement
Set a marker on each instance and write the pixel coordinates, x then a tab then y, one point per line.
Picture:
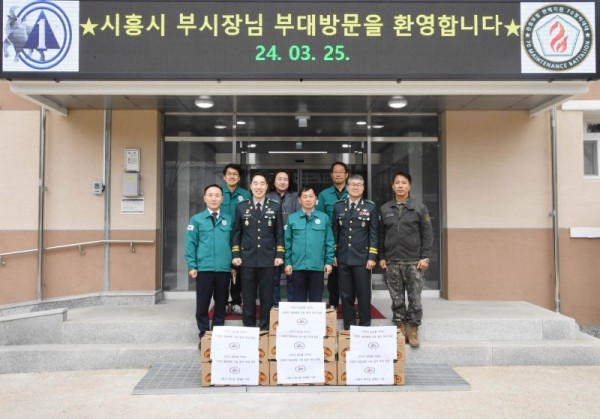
507	392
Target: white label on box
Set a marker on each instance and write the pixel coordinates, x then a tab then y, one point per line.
234	372
302	318
234	343
364	371
295	346
301	371
379	342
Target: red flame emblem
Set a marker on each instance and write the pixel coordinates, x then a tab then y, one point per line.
559	41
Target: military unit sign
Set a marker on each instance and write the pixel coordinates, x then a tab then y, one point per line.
333	39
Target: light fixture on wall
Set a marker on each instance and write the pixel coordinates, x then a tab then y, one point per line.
302	120
204	102
397	102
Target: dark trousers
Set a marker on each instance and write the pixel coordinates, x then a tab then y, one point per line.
277	287
211	285
355	283
261	278
333	288
308	284
235	289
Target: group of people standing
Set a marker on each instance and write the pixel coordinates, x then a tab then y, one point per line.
245	240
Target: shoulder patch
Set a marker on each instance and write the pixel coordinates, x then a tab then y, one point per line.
190	227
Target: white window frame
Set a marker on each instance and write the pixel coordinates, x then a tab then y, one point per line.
592	137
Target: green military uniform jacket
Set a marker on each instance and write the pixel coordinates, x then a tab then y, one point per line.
309	244
328	198
207	242
406	233
231	199
356	235
258	240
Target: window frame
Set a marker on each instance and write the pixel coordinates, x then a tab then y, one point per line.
591	137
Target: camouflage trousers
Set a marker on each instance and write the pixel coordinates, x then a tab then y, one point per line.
401	278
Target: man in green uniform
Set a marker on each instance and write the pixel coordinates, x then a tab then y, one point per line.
355	230
257	248
208	258
406	238
233	194
309	248
327	199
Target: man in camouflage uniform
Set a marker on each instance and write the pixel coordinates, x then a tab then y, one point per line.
405	240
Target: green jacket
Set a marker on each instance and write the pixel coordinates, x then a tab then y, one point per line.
207	244
327	199
231	199
309	244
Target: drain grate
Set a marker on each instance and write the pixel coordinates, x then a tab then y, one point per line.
185	379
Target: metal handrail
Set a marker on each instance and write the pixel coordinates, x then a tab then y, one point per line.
79	245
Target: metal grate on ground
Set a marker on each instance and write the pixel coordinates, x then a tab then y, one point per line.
185	379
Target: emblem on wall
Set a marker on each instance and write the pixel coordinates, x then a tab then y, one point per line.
41	35
558	37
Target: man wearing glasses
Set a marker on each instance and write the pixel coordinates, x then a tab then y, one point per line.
326	201
355	231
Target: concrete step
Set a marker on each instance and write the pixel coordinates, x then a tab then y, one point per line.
66	357
585	350
459	333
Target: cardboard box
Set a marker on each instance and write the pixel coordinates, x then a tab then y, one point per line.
328	348
399	377
330	378
263	346
263	374
330	322
344	345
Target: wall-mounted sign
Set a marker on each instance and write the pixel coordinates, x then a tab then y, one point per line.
115	40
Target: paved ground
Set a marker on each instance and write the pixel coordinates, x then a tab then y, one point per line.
506	392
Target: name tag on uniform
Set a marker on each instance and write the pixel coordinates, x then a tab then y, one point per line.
389	214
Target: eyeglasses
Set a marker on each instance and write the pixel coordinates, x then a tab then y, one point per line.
356	185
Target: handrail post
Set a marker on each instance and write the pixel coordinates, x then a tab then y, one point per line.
41	204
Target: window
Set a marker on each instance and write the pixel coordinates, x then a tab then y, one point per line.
591	150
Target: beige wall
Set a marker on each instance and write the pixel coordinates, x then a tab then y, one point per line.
496	174
74	158
579	206
19	180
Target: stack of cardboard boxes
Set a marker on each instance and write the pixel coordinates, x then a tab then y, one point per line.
344	347
205	359
329	347
335	346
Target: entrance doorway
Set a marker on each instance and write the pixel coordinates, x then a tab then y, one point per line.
192	162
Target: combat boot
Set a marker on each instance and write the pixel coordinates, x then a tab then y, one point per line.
413	336
402	327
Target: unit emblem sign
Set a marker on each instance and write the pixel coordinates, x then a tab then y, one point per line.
40	36
285	39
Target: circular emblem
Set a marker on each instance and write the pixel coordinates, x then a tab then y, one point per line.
224	222
240	198
557	37
373	345
234	370
300	368
317	221
299	345
40	34
369	370
234	346
301	321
